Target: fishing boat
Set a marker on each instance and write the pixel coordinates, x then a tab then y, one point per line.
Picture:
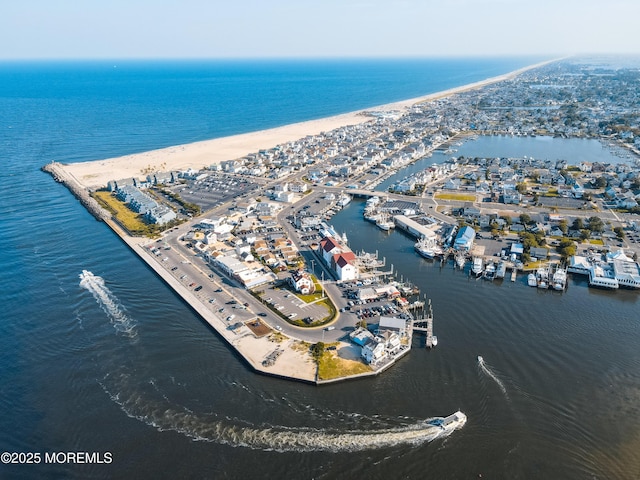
531	280
476	268
559	279
489	271
427	247
384	222
542	277
501	271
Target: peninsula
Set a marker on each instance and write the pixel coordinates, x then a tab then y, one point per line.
239	226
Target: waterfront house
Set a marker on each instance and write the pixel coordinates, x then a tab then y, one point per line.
374	351
464	239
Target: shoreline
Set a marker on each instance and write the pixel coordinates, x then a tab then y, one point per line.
96	173
80	177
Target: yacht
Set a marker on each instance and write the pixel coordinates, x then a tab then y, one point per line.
559	280
477	266
532	281
344	200
542	277
489	271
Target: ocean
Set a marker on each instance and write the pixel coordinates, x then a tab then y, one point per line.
115	363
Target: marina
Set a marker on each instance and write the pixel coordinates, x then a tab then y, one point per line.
126	352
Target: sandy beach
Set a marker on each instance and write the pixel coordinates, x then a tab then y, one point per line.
96	174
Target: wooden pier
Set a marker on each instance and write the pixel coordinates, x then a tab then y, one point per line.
424	322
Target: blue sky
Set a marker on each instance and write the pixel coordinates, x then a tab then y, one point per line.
306	28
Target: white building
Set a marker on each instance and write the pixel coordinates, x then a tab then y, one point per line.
374	351
302	282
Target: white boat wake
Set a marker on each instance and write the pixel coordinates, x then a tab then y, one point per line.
153	407
109	303
208	428
487	370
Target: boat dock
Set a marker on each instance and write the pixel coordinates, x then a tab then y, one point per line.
424	323
513	274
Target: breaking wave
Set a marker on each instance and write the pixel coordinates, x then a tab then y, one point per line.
109	303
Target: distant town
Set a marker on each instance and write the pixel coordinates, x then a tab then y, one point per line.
249	244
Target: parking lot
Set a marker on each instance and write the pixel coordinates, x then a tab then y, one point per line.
214	190
292	307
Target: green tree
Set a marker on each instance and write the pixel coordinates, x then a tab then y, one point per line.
601	182
563	225
585	234
525	219
566	248
577	224
596	224
521	188
619	231
317	350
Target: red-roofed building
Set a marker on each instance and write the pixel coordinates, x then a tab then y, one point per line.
339	258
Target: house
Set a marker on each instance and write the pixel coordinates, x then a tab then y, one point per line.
464	239
511	196
452	184
374	351
540	253
301	281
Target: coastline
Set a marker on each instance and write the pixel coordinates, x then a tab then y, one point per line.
78	177
95	174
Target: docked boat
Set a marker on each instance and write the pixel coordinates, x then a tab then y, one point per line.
344	200
434	340
427	247
384	222
476	268
532	281
450	423
460	260
542	277
559	279
489	271
501	271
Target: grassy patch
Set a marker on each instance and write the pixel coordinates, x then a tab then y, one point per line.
331	366
533	265
460	197
131	221
594	241
277	337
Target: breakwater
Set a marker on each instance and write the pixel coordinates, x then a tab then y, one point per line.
61	176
